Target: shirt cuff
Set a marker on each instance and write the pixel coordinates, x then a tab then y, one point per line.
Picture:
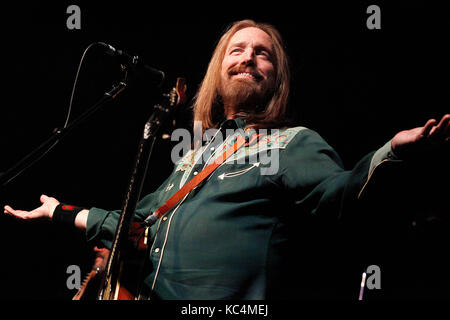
381	155
99	228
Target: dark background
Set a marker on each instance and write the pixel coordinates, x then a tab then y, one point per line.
356	87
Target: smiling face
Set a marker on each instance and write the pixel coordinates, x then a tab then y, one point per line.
247	71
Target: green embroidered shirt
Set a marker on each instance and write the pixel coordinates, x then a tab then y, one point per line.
233	236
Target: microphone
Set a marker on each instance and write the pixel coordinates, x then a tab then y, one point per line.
134	62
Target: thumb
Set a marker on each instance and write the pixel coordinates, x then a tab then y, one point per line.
44	198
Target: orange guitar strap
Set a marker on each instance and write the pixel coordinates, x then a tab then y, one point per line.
173	200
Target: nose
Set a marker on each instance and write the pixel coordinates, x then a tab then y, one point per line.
248	58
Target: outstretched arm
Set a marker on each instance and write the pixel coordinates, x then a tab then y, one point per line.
45	211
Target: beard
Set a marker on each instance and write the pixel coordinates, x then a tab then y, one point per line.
245	95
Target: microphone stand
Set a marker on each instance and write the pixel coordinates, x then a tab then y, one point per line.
117	284
58	134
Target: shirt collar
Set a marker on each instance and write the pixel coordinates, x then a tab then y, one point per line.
232	124
236	123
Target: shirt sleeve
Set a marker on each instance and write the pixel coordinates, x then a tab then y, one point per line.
314	176
102	224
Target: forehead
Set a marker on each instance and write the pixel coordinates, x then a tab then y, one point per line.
252	35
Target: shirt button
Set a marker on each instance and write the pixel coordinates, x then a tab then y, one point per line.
156	250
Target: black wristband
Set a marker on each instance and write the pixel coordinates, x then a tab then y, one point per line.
65	214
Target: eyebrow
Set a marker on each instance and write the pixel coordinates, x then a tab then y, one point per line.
244	43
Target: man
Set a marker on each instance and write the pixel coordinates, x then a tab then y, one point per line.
237	234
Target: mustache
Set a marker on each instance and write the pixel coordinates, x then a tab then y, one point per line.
244	69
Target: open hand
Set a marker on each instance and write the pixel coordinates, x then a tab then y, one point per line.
423	138
45	211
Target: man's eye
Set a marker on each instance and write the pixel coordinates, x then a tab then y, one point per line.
236	50
263	53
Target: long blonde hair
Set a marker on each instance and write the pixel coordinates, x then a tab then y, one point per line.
207	107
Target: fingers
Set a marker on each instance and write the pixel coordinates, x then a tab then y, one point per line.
441	130
447	129
21	214
48	203
7	209
15	213
428	127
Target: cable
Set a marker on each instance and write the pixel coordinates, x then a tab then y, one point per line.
76	81
69	111
67	117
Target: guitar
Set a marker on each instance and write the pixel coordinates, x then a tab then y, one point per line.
118	273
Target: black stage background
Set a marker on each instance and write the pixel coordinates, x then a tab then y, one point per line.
356	87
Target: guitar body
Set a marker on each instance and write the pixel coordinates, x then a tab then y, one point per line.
90	286
125	283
